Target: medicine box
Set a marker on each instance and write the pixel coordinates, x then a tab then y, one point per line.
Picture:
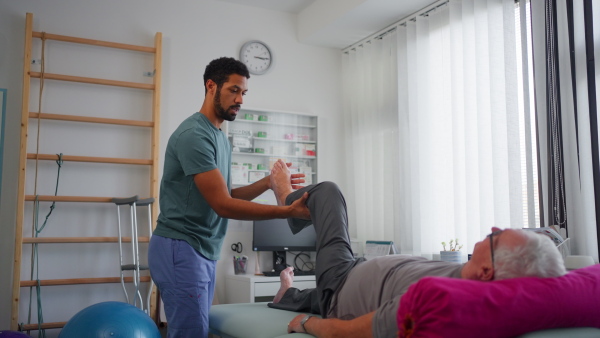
239	174
305	149
240	132
254	176
310	150
241	140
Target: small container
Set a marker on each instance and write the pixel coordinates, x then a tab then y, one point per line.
248	165
259	150
263	118
261	134
239	265
451	256
261	166
248	116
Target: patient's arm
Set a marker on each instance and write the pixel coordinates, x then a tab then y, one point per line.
359	327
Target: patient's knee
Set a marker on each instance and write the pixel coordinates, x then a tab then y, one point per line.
329	189
329	186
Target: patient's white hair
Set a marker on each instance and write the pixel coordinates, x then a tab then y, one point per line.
539	257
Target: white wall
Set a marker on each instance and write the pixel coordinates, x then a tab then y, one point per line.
305	79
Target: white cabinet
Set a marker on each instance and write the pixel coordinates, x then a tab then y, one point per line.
261	137
251	288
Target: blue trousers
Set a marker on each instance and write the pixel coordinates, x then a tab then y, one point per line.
186	281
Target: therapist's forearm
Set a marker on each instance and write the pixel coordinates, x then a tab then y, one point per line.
252	191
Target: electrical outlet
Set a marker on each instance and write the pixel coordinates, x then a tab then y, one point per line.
149	74
36	61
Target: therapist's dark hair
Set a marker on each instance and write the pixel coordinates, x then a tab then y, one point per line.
219	70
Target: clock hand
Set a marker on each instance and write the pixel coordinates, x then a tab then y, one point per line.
262	58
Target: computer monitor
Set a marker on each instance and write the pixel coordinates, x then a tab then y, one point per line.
275	235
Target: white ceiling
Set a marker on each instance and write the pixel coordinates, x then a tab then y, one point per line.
290	6
340	23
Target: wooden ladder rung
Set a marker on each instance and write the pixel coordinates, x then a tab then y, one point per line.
51	198
33	327
90	119
93	42
75	281
90	159
91	80
28	240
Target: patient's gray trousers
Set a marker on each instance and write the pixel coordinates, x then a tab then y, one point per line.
335	258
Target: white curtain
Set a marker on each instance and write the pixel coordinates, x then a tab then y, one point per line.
371	104
447	162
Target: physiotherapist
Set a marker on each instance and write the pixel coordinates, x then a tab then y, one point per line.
196	201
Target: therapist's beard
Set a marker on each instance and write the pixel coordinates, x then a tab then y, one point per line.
220	111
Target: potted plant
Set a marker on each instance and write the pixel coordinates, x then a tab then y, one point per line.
453	254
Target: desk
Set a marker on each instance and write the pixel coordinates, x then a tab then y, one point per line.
251	288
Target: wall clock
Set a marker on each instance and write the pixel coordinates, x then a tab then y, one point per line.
257	56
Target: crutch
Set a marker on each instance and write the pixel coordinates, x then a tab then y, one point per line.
127	267
147	202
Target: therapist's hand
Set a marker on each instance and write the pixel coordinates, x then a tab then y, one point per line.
295	179
299	208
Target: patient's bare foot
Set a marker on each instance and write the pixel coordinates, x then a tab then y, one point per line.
280	181
287	278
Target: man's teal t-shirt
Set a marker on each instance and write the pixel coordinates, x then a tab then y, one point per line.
195	147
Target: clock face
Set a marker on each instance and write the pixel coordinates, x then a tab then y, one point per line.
257	57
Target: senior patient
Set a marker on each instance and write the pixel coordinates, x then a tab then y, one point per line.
360	298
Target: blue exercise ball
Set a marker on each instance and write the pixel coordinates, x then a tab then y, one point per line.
13	334
110	320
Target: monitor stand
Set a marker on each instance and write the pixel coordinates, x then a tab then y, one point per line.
279	263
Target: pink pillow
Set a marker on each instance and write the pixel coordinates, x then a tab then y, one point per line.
446	307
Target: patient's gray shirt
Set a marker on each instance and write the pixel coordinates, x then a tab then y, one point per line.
378	284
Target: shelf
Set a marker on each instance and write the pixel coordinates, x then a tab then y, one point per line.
252	288
277	124
268	171
292	137
273	155
279	140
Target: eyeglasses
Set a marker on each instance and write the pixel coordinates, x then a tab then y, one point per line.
491	237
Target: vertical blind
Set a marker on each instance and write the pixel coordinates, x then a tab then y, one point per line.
574	96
